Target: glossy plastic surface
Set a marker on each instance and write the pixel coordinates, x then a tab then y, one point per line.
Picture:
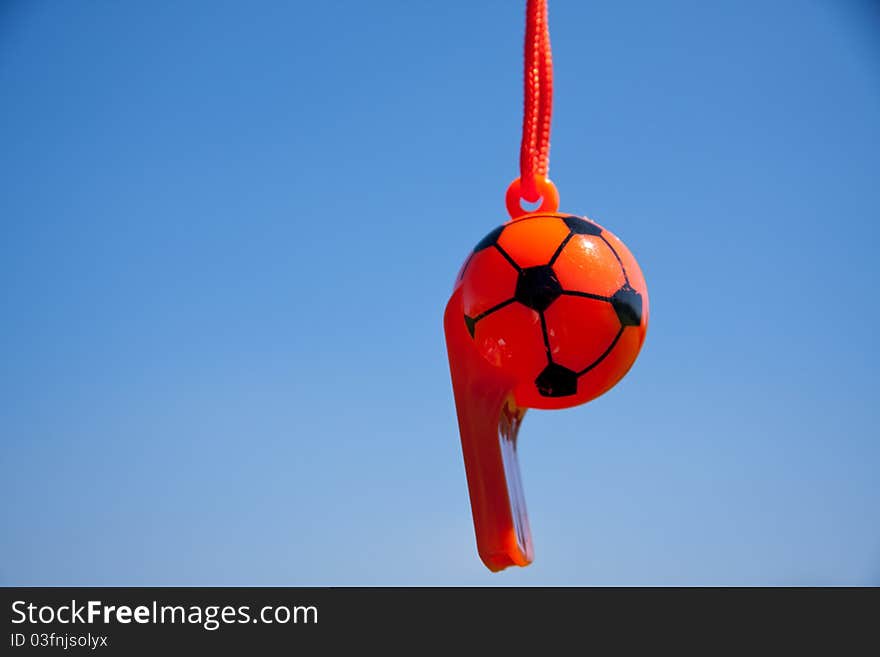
548	311
558	303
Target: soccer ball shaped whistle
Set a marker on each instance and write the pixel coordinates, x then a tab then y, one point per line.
548	311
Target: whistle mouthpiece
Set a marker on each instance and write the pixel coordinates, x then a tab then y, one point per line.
488	421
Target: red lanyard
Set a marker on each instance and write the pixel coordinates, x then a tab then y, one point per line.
534	157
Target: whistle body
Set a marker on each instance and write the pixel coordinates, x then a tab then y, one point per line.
548	311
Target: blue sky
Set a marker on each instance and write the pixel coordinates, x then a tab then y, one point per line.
229	231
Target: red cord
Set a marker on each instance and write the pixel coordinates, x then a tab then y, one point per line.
534	157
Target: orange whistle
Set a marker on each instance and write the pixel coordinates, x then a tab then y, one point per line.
549	311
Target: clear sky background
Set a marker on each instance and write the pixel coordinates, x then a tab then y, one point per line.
229	231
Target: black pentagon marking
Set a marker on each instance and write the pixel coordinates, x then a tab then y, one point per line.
581	226
490	239
557	381
471	324
537	287
627	304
